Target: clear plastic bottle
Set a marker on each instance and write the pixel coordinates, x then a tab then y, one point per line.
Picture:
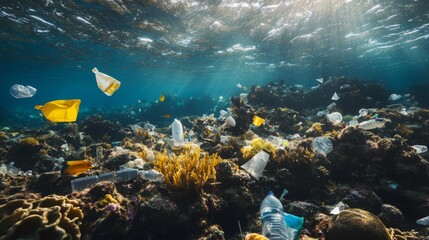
272	217
177	132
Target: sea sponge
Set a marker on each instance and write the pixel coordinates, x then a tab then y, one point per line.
258	145
52	217
255	236
29	141
356	224
188	170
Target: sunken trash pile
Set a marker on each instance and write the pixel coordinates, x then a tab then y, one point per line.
344	160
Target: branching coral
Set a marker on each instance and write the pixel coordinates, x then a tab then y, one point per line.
187	171
258	145
52	217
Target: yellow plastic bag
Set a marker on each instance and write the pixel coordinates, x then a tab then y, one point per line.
106	83
60	110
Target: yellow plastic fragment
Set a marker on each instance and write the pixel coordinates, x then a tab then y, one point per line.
60	110
258	121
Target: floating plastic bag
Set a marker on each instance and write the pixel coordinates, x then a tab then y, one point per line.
106	83
256	165
60	110
19	91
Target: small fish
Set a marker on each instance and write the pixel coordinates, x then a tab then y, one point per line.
162	98
258	121
166	115
77	167
335	97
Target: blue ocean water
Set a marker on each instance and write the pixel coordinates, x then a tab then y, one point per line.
203	49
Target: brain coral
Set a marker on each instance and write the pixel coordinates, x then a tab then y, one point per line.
52	217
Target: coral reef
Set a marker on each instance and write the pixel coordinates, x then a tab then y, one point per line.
256	146
356	224
187	170
52	217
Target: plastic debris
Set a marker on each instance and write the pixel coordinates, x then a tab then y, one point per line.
256	165
334	117
319	80
372	124
60	110
258	121
106	83
19	91
393	185
330	106
394	97
136	129
338	208
420	148
230	121
239	85
177	132
404	112
100	153
120	176
423	221
276	224
278	141
335	97
363	112
224	139
321	113
285	191
9	169
353	123
322	145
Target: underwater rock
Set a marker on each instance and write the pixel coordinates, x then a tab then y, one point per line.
302	209
47	183
101	129
24	153
213	232
391	216
356	224
118	158
362	198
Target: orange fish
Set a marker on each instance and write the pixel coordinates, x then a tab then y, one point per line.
77	167
166	115
162	98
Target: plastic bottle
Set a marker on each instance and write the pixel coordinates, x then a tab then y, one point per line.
322	145
177	132
273	223
151	175
106	83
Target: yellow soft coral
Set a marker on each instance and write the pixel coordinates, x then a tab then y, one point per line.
255	236
187	171
258	145
107	199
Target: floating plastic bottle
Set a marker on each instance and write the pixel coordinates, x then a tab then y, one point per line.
334	117
256	165
420	148
60	110
120	176
19	91
423	221
177	132
276	224
322	145
106	83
